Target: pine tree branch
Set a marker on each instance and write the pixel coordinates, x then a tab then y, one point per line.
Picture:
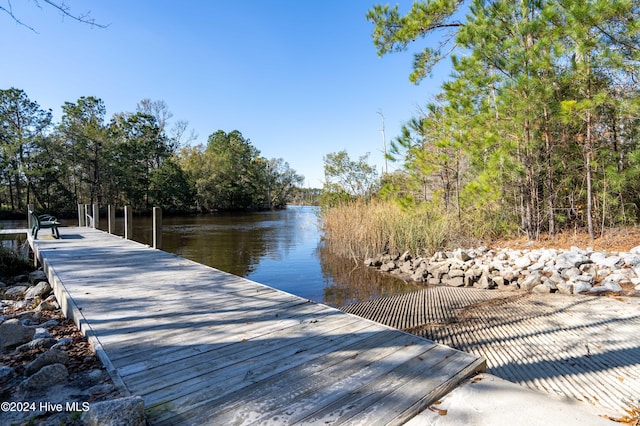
438	26
616	40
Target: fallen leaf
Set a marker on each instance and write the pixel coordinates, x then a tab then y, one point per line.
438	410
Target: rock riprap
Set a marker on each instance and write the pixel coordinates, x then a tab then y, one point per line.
570	271
45	367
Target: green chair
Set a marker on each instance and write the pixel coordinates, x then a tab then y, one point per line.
44	221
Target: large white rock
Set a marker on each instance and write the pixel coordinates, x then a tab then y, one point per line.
461	255
14	333
598	258
621	276
542	288
16	290
52	356
570	273
531	281
565	288
39	290
117	412
523	262
584	278
571	259
47	376
538	266
631	259
581	287
613	262
612	286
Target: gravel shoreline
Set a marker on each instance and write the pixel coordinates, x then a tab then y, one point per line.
49	374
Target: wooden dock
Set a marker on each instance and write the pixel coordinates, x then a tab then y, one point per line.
202	346
20	231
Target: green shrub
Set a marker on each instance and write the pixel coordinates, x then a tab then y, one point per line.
12	264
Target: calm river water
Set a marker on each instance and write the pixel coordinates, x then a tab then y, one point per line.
282	249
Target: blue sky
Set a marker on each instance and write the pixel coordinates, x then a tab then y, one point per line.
298	78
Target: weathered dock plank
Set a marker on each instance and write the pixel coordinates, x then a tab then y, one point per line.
261	353
15	231
205	347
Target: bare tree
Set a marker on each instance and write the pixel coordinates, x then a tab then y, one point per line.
158	109
61	6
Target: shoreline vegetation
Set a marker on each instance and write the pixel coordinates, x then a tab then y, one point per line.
133	159
360	229
516	144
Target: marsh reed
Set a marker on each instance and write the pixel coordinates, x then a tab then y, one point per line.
361	229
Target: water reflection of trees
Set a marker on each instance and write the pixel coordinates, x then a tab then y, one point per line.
351	282
16	243
234	249
234	243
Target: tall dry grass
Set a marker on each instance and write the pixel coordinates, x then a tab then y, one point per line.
360	229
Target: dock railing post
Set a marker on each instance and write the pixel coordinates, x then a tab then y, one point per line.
96	216
81	218
128	225
111	219
87	217
30	208
157	227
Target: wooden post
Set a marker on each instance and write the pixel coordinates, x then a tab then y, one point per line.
111	219
96	216
87	217
128	224
82	220
30	208
157	227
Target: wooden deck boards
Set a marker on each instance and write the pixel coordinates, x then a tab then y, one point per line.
205	347
19	231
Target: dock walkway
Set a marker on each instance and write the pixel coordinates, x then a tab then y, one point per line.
202	346
20	231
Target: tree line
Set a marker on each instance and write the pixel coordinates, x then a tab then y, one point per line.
537	128
133	159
